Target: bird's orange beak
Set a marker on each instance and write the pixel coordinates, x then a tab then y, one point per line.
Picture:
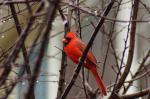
64	40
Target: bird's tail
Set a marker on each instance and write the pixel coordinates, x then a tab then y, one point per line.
99	81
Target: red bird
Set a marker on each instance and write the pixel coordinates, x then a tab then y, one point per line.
74	48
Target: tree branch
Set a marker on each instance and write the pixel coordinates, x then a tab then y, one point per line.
131	51
18	27
16	1
51	10
136	95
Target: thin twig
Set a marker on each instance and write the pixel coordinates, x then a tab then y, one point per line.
18	27
50	17
136	94
139	68
61	84
131	50
4	2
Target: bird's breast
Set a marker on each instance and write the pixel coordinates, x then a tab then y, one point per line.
72	53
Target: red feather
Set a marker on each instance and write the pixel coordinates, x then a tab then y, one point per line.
74	49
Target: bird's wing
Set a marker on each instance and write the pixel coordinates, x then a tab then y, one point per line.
90	55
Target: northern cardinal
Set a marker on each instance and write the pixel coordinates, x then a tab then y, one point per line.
74	48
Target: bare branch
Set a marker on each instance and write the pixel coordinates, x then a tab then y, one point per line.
136	95
131	50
